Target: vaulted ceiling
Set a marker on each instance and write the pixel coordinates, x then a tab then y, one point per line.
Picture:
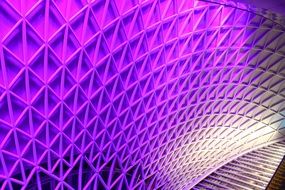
154	94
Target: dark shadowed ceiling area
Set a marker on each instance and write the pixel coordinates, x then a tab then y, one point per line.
277	6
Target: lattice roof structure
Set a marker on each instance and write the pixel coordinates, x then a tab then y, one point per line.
119	94
253	170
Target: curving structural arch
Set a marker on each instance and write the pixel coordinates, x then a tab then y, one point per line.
119	94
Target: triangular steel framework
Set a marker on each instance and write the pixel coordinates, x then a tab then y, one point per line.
128	94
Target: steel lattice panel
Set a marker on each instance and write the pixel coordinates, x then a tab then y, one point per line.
118	94
252	170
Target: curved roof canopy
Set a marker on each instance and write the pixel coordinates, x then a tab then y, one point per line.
114	94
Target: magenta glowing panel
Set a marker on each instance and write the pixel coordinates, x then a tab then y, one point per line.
127	94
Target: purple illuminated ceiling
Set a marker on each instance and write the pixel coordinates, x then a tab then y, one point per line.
276	6
127	94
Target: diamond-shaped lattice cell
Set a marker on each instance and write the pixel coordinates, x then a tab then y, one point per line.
129	94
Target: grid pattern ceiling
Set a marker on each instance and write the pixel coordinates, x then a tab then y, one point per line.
113	94
253	170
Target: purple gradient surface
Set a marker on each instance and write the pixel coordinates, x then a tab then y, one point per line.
119	94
